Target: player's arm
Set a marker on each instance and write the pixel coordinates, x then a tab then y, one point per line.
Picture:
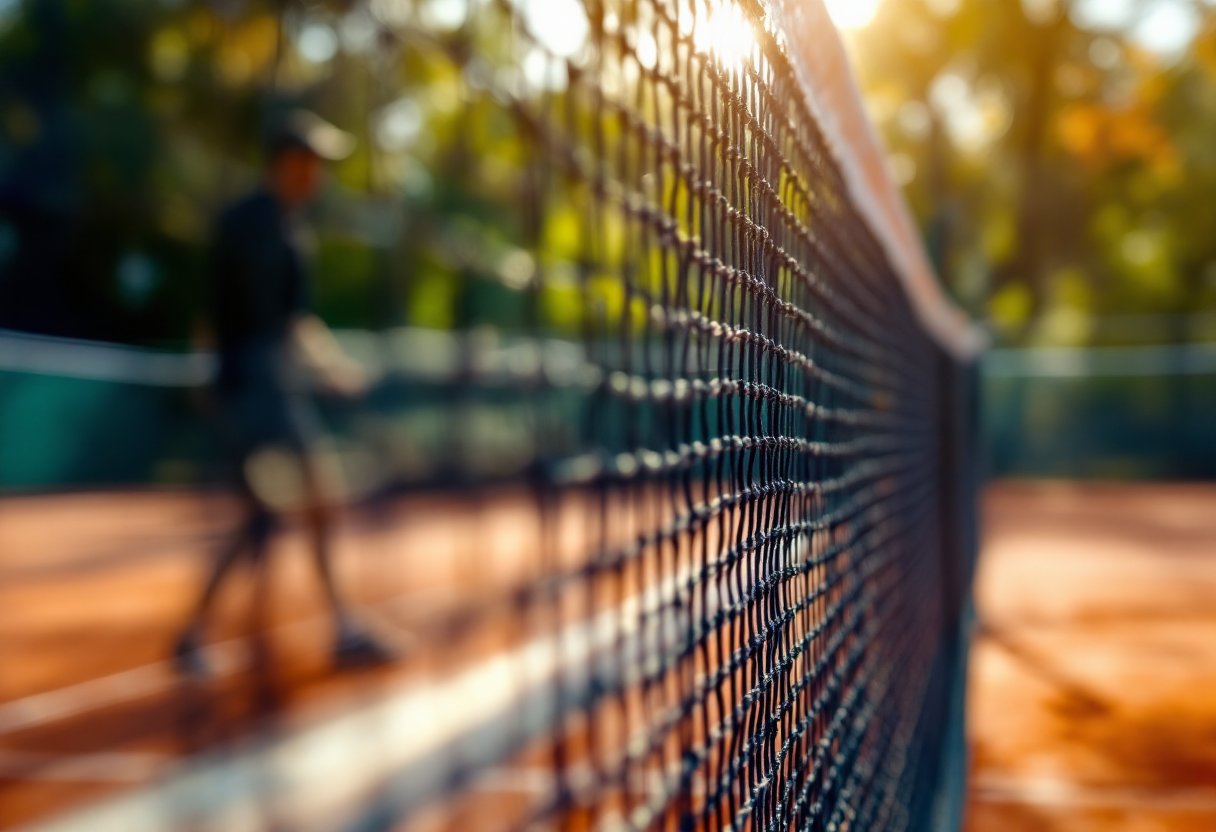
323	355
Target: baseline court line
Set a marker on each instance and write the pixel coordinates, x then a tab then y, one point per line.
225	658
404	748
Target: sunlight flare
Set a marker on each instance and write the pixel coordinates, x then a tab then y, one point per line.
852	14
725	31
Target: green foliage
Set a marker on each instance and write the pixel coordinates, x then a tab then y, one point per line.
1039	153
344	281
127	125
1039	156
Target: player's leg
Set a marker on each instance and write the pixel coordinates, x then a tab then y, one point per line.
353	645
252	537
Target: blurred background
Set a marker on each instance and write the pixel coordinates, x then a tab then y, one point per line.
1059	158
128	127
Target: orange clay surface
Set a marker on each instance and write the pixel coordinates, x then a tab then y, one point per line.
1092	700
1093	686
94	588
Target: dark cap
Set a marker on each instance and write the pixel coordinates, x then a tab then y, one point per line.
307	130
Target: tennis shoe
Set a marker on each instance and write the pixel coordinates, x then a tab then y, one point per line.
356	648
188	659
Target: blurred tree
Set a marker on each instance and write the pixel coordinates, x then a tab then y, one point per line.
1060	168
1062	171
126	125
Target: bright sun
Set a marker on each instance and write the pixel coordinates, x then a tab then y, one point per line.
725	30
852	14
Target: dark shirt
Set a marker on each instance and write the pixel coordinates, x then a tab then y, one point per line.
259	286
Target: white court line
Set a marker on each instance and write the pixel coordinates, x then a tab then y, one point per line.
224	658
404	745
312	775
1047	791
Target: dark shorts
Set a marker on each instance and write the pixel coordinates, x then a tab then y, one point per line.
254	418
259	408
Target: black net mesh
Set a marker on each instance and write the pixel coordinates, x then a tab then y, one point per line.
750	566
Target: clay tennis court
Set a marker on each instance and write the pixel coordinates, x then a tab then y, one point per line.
1093	676
98	584
95	585
1091	702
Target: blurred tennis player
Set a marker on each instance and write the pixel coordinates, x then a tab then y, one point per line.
267	341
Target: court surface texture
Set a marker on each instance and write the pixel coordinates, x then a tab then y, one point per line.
1093	676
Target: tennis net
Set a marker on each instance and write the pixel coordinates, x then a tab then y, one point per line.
751	486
